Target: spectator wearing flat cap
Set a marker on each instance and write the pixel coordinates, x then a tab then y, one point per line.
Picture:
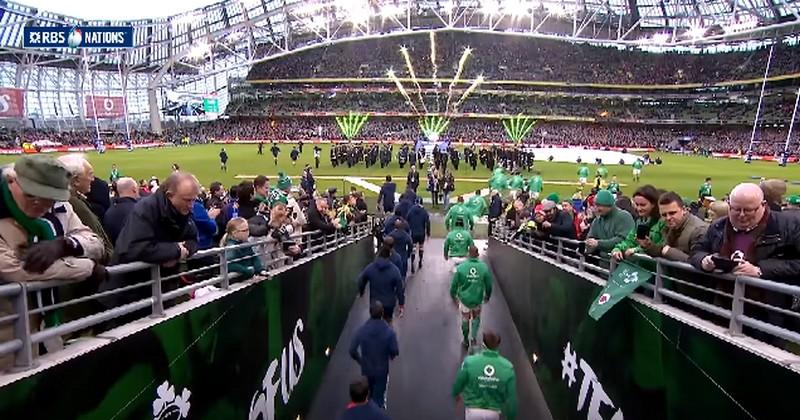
41	237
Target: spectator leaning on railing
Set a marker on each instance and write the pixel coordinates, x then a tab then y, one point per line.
645	201
80	186
610	226
41	237
553	221
680	229
160	230
762	243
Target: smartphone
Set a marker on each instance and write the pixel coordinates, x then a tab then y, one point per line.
642	231
724	264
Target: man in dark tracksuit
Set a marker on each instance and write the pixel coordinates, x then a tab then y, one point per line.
394	257
419	224
385	283
386	195
402	244
373	346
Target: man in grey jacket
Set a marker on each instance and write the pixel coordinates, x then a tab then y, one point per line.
681	229
610	227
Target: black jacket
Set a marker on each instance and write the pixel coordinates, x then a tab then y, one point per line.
99	197
152	231
116	217
777	249
317	221
150	235
413	180
561	226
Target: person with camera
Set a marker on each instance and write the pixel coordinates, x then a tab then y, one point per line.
276	227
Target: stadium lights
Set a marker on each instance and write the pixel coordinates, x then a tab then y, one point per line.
491	7
199	50
696	32
357	11
660	38
517	7
391	10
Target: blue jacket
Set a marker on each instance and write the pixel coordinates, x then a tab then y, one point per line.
386	196
495	207
396	260
388	224
374	344
419	222
368	411
409	195
385	282
402	243
403	207
206	226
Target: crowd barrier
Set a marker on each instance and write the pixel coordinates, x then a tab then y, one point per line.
666	272
20	293
677	348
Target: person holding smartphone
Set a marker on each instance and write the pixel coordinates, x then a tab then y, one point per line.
752	241
648	224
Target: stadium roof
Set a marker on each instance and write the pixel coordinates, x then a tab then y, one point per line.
239	32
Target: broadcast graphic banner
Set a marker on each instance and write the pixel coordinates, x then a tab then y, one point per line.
104	106
257	353
12	103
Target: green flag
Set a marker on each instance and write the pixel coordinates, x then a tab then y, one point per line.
624	280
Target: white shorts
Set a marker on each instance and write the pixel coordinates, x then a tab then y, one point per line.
637	172
456	261
464	310
481	414
582	180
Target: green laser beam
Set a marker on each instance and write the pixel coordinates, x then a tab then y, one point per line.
351	124
518	127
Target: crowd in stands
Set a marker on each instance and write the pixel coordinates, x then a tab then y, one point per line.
774	109
507	57
701	139
61	221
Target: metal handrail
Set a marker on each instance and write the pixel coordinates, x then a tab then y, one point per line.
18	293
554	249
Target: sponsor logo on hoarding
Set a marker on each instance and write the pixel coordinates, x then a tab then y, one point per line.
589	385
291	363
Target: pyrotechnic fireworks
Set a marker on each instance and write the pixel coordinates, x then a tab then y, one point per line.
461	63
404	52
390	74
477	82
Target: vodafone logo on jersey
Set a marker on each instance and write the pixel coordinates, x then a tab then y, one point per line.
12	103
104	106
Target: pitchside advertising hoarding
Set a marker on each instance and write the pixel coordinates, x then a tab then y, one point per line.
78	37
104	106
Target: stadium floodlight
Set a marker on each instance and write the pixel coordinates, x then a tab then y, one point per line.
660	38
696	32
391	10
185	19
490	7
199	50
357	11
517	7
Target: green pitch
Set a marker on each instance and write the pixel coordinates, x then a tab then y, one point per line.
683	174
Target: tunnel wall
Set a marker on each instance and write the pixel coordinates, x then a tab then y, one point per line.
257	353
635	362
